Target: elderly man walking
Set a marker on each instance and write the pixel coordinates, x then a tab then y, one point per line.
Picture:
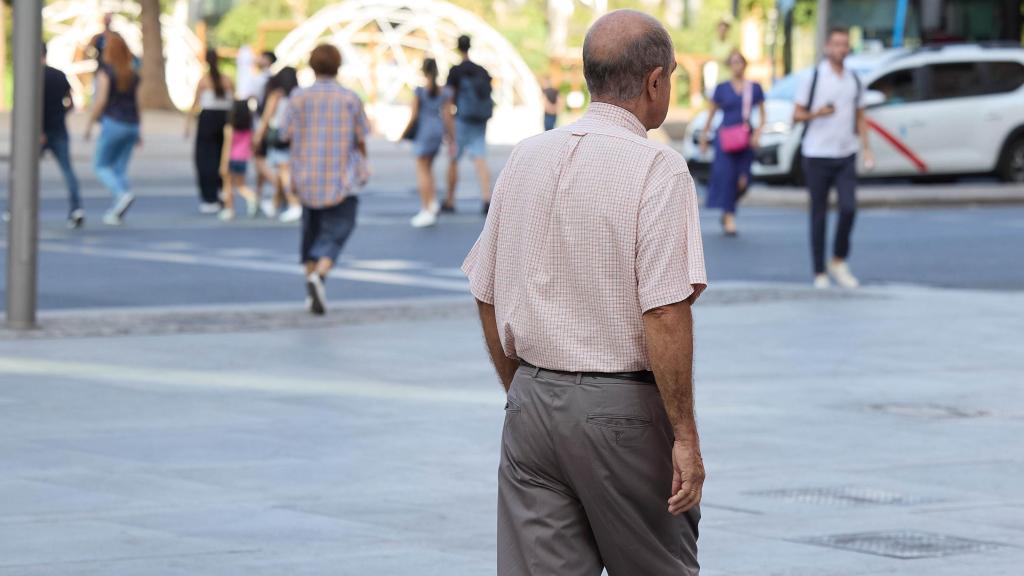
326	125
584	276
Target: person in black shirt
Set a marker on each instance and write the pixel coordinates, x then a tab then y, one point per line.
56	102
470	129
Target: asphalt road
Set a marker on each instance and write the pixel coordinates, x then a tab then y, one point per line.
168	255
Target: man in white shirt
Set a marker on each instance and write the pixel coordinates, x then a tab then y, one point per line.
830	103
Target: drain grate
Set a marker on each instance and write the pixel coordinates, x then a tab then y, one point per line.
843	496
903	544
936	411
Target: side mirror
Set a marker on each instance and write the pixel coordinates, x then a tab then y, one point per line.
874	98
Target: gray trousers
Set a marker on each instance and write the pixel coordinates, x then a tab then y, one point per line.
584	481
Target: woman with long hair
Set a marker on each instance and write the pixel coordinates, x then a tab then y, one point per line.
116	107
278	156
429	130
734	146
213	101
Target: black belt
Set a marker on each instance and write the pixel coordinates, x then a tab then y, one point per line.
645	376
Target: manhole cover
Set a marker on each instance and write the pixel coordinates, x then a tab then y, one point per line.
902	544
844	496
928	410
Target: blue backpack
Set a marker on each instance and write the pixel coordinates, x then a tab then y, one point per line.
474	102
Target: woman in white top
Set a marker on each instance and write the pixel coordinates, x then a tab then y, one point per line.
282	85
214	97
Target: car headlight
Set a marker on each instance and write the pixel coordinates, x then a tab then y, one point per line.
777	128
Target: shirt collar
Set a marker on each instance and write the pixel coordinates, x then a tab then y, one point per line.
618	116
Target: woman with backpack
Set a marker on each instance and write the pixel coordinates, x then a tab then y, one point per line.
212	103
427	131
117	109
278	157
735	142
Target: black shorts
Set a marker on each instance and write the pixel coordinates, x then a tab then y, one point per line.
325	230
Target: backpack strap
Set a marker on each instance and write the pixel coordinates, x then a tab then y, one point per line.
810	100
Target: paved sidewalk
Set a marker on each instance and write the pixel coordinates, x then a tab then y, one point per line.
886	421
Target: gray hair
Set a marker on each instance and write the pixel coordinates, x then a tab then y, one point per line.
620	75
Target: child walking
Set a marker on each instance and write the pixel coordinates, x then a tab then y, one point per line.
235	161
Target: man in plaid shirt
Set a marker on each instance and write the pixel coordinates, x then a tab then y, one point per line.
327	128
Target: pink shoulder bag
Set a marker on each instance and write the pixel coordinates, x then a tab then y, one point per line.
736	138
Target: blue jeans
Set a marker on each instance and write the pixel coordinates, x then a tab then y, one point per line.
113	151
59	145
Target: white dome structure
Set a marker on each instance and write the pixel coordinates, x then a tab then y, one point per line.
384	42
73	23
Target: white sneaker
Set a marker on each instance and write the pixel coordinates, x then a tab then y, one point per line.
268	209
209	207
423	219
821	282
226	214
111	219
317	294
840	272
124	202
435	207
252	207
76	219
292	214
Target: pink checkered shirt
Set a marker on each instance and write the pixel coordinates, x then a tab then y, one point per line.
590	226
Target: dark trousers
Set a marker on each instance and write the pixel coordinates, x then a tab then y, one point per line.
821	175
209	146
325	230
59	144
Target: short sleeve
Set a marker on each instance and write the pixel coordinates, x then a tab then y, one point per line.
718	95
480	265
803	91
757	94
669	250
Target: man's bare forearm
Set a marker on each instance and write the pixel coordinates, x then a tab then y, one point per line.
669	334
505	366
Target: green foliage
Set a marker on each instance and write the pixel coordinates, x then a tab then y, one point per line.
241	24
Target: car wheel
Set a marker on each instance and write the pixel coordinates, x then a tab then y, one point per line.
1011	165
796	170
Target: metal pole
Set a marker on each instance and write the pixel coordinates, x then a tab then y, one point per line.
822	35
24	198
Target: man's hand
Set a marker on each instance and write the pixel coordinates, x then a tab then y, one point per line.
42	139
869	160
826	110
687	476
703	142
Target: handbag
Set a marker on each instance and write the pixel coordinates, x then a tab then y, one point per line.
736	138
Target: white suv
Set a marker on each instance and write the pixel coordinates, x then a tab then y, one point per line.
934	112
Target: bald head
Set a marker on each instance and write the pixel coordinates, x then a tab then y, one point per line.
621	49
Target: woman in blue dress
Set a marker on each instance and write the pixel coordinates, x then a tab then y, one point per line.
730	171
430	132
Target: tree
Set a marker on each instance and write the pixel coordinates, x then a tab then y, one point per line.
153	90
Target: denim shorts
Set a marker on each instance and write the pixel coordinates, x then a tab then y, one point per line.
238	166
470	139
325	230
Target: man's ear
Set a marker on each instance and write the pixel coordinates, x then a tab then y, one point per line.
654	80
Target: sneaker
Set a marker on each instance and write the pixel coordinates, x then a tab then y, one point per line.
292	214
124	202
435	207
226	214
447	208
112	219
317	294
268	208
821	282
76	219
252	207
209	207
423	219
840	272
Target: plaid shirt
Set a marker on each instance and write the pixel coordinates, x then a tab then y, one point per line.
590	226
323	124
